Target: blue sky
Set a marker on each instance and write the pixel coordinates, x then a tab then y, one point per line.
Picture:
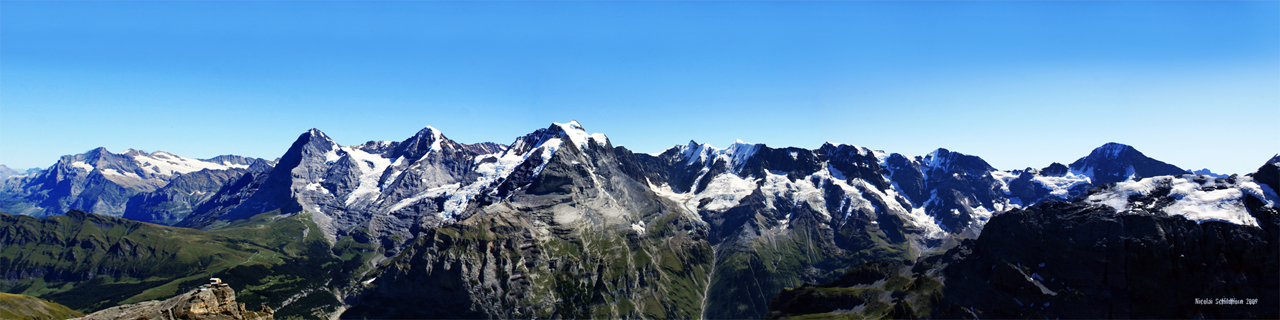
1021	84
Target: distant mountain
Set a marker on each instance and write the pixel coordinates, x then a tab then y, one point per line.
1206	172
157	187
562	223
1114	162
1161	247
6	172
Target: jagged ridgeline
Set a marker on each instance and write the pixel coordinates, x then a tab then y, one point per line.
1190	246
560	223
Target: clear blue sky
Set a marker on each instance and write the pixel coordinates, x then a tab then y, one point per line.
1021	84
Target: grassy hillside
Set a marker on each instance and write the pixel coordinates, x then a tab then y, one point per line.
90	262
23	307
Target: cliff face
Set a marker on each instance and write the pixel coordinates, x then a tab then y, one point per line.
217	303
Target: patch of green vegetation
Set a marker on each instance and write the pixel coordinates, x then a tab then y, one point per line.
90	262
24	307
749	277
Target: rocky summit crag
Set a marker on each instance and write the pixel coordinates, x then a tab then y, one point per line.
561	223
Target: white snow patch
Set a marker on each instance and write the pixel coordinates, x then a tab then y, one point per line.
429	193
114	172
332	155
371	167
776	186
436	137
882	157
638	227
166	164
1004	177
1208	201
725	191
600	139
920	218
82	165
579	136
492	169
1061	186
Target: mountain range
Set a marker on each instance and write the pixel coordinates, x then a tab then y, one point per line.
562	223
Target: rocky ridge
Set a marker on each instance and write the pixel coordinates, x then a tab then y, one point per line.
157	187
597	230
1118	252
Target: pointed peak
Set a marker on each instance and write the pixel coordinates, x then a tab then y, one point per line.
432	135
429	130
426	141
316	139
575	133
314	133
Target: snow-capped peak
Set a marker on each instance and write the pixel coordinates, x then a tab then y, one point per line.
1207	172
736	155
317	133
937	159
579	136
739	152
435	135
164	163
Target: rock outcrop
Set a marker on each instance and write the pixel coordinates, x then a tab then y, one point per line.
215	303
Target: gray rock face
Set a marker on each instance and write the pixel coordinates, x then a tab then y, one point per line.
385	189
176	200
